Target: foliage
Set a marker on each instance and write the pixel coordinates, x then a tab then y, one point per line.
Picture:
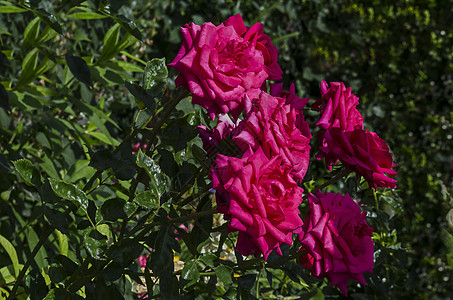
82	82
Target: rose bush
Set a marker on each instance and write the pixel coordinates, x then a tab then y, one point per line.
224	66
360	151
259	198
337	239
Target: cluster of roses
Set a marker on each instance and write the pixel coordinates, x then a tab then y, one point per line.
226	69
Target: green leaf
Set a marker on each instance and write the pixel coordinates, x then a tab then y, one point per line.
49	19
141	96
94	244
110	42
12	254
68	265
103	160
245	284
31	32
4	99
85	13
7	274
79	68
29	65
190	271
158	183
32	241
31	70
113	209
208	259
124	66
103	229
80	169
447	238
147	199
56	218
167	163
130	208
128	25
161	261
62	243
11	9
155	77
69	191
178	133
48	166
224	274
125	252
27	172
50	295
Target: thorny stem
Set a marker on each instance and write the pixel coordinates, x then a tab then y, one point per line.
334	179
31	258
41	242
166	112
285	259
163	119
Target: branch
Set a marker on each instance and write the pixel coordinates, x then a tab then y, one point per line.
340	175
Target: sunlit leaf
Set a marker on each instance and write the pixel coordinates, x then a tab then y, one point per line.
69	191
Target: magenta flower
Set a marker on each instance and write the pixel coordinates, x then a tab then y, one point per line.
142	260
338	107
338	239
138	146
262	41
259	198
224	66
360	151
278	129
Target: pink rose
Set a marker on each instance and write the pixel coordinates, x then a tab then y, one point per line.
338	107
361	151
296	102
338	239
263	43
224	66
259	198
138	146
142	260
279	129
212	138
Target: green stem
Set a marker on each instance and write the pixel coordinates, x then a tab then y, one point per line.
193	216
30	259
163	118
333	179
285	259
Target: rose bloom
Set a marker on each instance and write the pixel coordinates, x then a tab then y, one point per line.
224	66
259	198
337	238
279	129
338	107
138	146
361	151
